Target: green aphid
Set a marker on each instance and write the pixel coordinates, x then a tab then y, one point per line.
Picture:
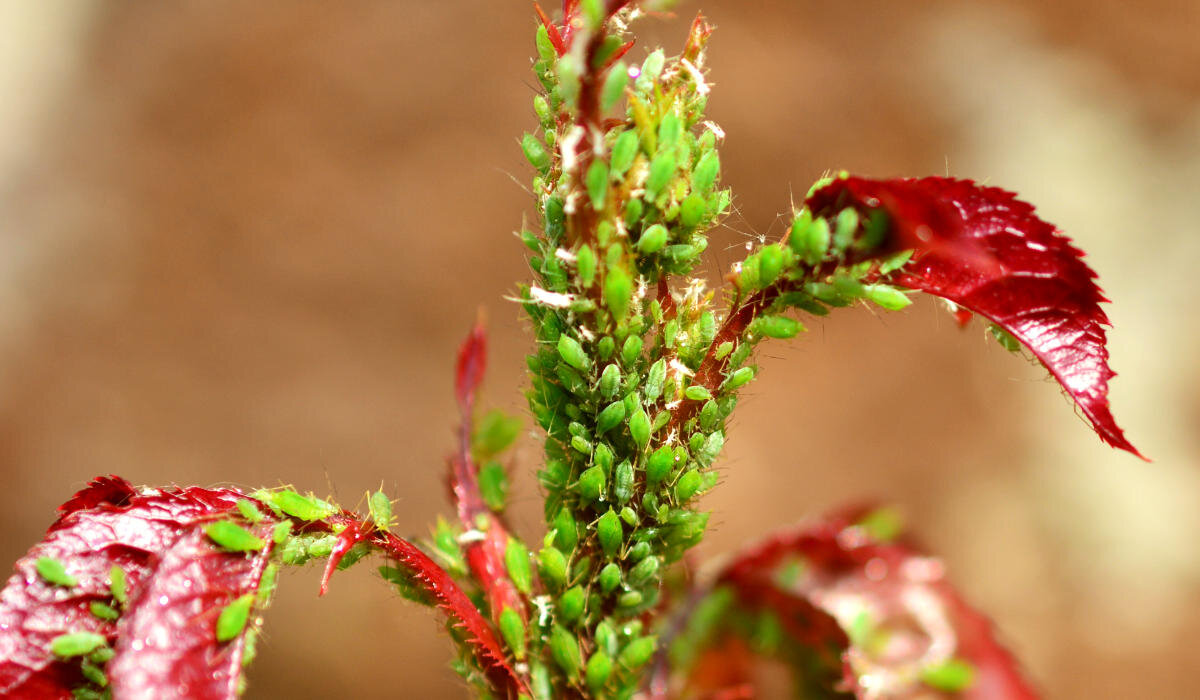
692	211
687	486
535	153
54	572
610	382
618	289
653	239
569	68
670	130
103	611
845	227
704	175
545	48
74	644
809	239
770	264
542	109
233	618
531	241
630	599
281	531
266	584
660	420
637	653
662	169
712	447
552	567
670	332
564	648
248	510
233	537
603	457
639	428
580	568
605	347
776	327
895	262
655	378
630	516
623	482
381	510
599	670
302	507
631	351
697	392
610	577
591	485
606	637
748	277
516	561
550	136
876	230
710	415
597	183
570	379
585	266
645	572
571	604
886	297
610	533
652	67
658	465
1007	340
116	584
614	86
573	353
493	486
723	350
556	218
638	551
882	524
610	417
633	213
92	674
624	150
566	534
512	629
495	432
953	676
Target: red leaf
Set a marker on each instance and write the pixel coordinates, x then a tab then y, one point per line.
986	250
177	579
887	608
451	600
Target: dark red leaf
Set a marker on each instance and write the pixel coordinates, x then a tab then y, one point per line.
986	250
887	607
178	581
451	600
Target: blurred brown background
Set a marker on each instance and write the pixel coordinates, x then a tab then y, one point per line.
239	242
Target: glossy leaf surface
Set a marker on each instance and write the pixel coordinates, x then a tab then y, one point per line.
988	252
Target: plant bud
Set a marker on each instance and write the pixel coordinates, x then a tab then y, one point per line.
570	604
512	629
653	239
552	566
565	650
609	579
591	484
687	486
516	560
610	533
598	670
637	653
